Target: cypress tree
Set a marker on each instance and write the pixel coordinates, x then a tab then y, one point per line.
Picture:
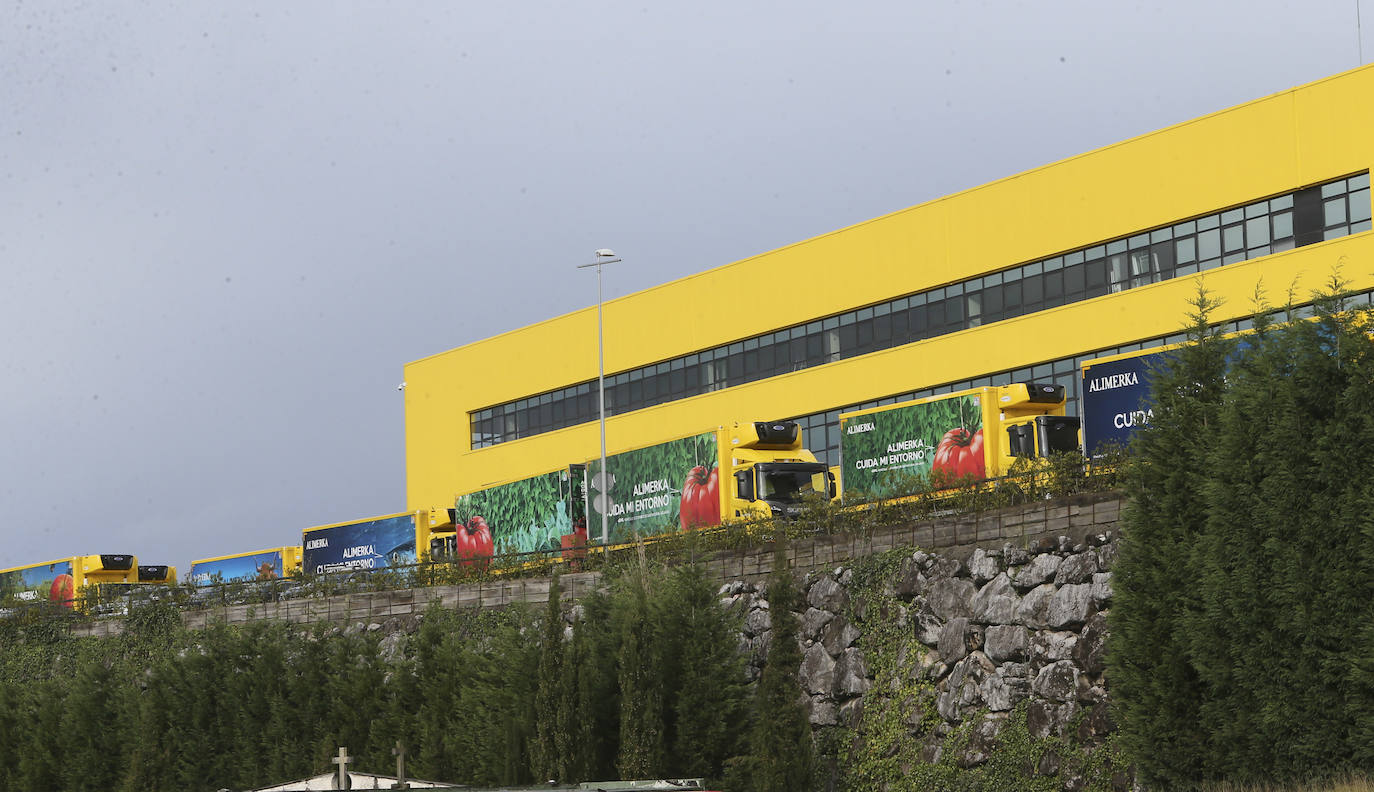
568	746
1155	685
548	695
39	765
1359	703
641	697
779	751
1234	625
9	735
90	748
1283	591
707	703
598	695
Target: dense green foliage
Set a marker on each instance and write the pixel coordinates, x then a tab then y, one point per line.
779	751
1243	592
479	698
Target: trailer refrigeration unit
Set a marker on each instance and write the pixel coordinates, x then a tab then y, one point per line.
739	472
975	434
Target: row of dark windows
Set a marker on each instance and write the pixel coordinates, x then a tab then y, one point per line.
1325	211
821	430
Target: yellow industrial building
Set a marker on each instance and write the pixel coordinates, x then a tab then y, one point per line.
1021	279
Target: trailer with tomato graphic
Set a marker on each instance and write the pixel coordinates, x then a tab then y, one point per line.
741	471
973	434
62	582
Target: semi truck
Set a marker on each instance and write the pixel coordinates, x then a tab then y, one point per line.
270	564
971	434
61	581
737	472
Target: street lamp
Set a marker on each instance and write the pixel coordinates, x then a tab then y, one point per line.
603	256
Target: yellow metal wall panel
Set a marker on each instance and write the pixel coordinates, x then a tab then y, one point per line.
1266	147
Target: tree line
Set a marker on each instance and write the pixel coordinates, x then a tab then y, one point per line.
643	679
1242	647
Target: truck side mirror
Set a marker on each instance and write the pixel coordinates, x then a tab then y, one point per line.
830	481
744	484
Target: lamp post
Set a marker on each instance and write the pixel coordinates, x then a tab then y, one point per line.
603	256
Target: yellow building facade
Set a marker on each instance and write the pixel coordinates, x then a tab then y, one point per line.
1023	278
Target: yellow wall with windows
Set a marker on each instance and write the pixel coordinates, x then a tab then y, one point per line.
1274	145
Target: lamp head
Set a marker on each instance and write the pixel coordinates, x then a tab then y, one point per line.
604	253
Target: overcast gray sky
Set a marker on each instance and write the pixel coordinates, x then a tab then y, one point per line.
224	227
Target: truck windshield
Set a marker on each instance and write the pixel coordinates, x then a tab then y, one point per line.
790	482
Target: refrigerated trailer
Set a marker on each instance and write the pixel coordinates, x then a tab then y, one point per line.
973	434
742	471
62	580
270	564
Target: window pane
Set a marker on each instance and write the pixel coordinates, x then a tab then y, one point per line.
1185	250
975	303
848	338
1333	211
1011	297
1074	280
898	324
992	302
1096	275
865	334
1359	206
1117	270
882	329
1209	244
1257	231
1033	292
954	312
1054	287
1162	260
1283	225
